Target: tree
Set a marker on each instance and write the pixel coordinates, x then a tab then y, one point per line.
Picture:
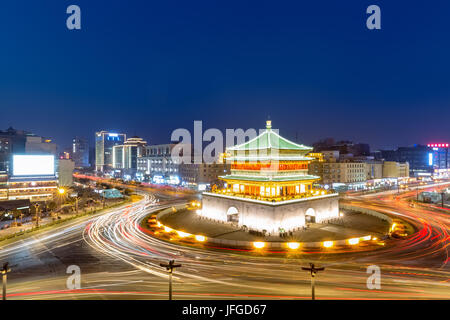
51	205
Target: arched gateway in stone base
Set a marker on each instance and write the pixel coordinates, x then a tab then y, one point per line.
269	187
288	216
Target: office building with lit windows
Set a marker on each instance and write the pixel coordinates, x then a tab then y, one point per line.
104	143
125	156
158	166
80	153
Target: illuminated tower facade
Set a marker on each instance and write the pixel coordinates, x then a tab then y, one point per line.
269	188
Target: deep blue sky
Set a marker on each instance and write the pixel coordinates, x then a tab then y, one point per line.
149	67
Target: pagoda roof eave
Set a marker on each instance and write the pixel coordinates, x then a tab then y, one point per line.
269	139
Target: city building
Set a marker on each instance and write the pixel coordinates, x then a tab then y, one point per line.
346	172
80	152
392	169
13	141
39	145
65	172
104	143
203	176
269	188
339	171
344	147
125	156
423	160
31	177
374	170
158	165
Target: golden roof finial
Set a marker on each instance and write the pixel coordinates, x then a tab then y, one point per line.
269	124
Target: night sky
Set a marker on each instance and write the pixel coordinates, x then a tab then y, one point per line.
149	67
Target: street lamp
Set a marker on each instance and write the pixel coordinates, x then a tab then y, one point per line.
5	270
61	192
313	271
36	209
169	267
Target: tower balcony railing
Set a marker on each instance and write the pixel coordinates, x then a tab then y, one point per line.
309	194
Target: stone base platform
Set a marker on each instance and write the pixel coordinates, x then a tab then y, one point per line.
269	217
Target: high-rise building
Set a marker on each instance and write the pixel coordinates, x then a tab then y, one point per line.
104	143
11	141
125	156
80	152
423	160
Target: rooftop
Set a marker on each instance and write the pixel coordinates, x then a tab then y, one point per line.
270	139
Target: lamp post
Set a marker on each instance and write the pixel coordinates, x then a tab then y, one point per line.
313	270
61	192
169	267
36	207
5	270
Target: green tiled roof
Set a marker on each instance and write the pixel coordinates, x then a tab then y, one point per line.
269	139
268	178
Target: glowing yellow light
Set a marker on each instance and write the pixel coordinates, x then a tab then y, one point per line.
183	234
374	238
158	224
353	241
200	238
393	226
328	244
259	244
167	229
367	238
293	245
61	190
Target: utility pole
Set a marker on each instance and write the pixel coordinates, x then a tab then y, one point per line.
313	271
169	267
5	270
442	199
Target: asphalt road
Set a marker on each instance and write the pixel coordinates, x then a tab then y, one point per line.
120	261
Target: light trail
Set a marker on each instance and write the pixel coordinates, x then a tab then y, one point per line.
413	268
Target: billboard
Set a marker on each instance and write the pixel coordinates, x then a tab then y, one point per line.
33	165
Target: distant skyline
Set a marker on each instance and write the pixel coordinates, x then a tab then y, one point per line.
147	68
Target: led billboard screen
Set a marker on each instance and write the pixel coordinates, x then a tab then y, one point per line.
33	165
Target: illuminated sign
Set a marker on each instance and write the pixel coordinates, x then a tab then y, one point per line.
430	159
437	145
33	165
113	135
